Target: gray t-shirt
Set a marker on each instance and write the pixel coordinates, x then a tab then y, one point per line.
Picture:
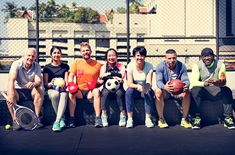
24	76
139	77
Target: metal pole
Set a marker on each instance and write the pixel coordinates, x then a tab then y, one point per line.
128	30
37	30
217	28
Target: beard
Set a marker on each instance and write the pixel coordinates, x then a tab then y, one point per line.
86	56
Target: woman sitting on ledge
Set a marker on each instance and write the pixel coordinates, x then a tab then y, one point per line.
139	76
55	77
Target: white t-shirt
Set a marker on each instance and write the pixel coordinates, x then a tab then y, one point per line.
139	77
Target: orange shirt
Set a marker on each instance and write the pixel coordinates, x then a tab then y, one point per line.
85	72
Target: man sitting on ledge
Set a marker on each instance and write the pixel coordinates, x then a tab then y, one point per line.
166	71
25	80
208	82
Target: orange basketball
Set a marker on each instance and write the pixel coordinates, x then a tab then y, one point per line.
178	86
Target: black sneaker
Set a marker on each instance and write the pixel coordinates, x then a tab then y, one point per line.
98	122
196	123
71	122
39	125
16	126
228	123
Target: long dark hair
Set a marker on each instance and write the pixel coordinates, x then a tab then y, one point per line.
53	48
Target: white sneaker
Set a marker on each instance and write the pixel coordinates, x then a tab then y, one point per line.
104	119
122	121
129	123
149	123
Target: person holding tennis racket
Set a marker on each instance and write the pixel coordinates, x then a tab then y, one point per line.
139	82
86	71
55	77
25	81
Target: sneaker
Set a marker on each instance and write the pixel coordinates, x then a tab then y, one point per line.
196	125
16	126
56	126
228	123
122	121
98	122
129	123
62	123
104	119
185	123
71	122
162	123
149	123
39	125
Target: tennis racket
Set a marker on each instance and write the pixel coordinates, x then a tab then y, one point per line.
25	117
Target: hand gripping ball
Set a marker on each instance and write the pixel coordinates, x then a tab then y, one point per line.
178	86
112	85
58	83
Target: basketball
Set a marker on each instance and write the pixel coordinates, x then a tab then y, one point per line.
178	86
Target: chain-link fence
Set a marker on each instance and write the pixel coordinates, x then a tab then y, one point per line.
187	26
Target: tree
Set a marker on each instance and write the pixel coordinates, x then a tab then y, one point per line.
138	2
134	5
65	14
80	15
47	11
11	9
86	15
121	10
92	16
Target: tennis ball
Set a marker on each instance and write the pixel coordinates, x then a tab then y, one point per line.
8	126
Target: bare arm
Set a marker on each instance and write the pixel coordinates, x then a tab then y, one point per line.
71	77
149	77
11	88
66	77
131	84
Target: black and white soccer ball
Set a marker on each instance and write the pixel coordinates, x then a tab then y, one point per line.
112	85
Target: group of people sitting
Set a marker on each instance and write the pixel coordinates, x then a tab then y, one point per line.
87	78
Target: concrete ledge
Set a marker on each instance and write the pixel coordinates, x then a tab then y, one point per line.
210	112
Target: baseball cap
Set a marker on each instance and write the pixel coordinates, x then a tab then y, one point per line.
207	51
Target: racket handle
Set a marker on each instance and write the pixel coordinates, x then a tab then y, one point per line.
4	95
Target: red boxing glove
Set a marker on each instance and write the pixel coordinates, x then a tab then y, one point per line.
72	87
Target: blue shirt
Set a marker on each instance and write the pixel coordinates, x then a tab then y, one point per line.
163	74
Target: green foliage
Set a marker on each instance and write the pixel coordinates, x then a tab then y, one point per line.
10	8
50	11
121	10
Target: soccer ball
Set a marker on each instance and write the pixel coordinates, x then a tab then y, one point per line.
112	85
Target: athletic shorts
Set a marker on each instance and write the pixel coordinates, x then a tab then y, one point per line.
24	94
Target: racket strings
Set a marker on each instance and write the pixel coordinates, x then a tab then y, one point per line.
26	118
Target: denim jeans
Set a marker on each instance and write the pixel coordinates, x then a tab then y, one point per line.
132	94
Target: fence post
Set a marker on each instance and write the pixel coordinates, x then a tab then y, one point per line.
128	29
37	30
217	28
